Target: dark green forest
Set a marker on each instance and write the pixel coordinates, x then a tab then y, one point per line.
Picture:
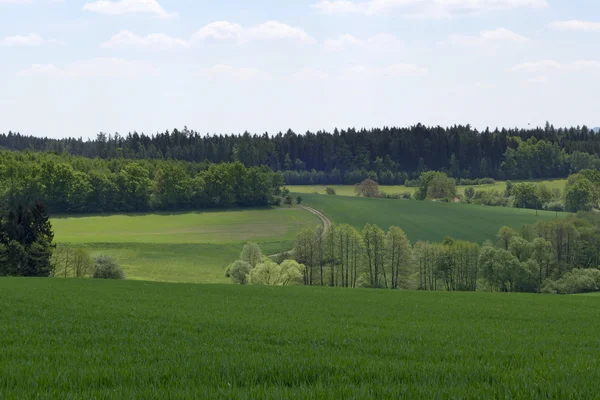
65	183
392	155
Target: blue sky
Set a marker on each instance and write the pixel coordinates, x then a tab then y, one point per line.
75	68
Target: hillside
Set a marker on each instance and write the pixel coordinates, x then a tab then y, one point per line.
183	247
425	220
135	340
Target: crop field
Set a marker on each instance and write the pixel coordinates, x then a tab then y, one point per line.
183	247
348	190
138	340
426	220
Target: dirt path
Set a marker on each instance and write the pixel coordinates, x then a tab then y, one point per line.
324	220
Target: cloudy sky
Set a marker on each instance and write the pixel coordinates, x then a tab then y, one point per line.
76	67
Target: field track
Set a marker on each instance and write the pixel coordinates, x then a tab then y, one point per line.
324	219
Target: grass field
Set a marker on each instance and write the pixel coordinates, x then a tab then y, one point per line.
137	340
348	190
425	220
183	247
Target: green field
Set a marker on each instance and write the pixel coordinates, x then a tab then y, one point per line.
348	190
183	247
426	220
137	340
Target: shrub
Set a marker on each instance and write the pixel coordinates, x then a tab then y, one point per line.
469	192
239	272
407	195
330	191
299	200
106	267
367	188
576	281
554	206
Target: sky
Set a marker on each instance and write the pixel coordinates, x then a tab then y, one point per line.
76	68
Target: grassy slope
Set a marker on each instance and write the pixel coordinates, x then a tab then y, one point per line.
348	190
425	220
183	247
139	340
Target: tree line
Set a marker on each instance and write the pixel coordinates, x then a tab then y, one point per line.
66	183
392	154
561	256
582	192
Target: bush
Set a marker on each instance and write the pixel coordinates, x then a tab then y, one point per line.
469	192
554	206
576	281
330	191
238	272
106	267
367	188
407	195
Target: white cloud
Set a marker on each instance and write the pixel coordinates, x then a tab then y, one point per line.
310	74
377	42
98	67
423	8
219	30
222	71
485	38
155	41
574	25
270	30
538	79
150	7
31	40
391	71
551	65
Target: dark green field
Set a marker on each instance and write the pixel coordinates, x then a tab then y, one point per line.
426	220
85	339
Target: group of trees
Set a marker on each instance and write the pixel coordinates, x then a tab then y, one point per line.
77	184
27	249
76	262
582	192
388	155
561	256
26	241
253	267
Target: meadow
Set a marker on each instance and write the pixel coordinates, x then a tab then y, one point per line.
138	340
183	247
426	220
348	190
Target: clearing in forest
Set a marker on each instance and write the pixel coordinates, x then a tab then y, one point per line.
183	247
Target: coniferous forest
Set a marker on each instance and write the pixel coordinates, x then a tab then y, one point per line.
391	154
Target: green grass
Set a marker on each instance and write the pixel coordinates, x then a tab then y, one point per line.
425	220
183	247
348	190
136	340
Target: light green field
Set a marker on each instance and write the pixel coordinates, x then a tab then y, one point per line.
348	190
426	220
85	339
183	247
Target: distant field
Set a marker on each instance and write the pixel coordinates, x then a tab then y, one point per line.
84	339
348	190
426	220
183	247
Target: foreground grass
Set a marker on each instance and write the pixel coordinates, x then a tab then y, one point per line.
138	340
348	190
183	247
426	220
